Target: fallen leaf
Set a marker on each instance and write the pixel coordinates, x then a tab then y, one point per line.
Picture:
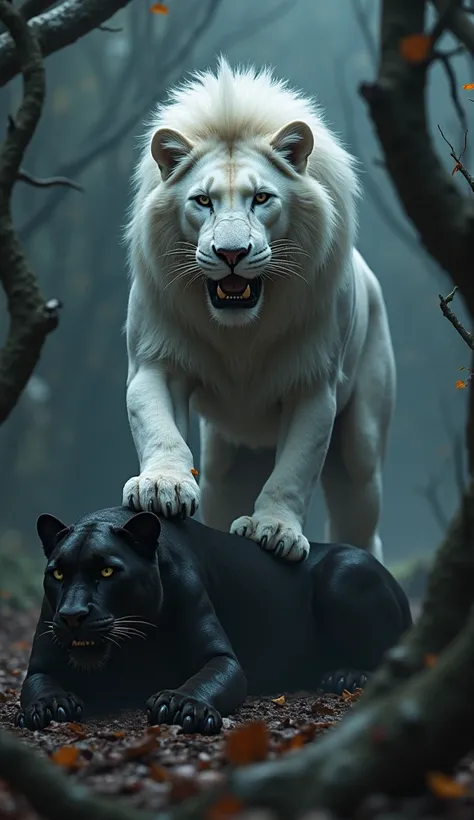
159	8
66	756
159	773
77	729
247	744
351	696
279	701
226	806
468	86
429	660
460	384
144	747
445	787
415	48
323	708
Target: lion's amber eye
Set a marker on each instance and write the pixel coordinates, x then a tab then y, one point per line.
58	575
203	200
106	572
261	198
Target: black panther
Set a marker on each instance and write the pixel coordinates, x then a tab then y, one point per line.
185	621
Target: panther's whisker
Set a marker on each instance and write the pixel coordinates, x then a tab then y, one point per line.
134	619
111	640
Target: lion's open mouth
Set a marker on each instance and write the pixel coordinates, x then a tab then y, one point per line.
234	291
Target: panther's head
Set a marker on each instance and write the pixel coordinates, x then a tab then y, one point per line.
102	584
233	203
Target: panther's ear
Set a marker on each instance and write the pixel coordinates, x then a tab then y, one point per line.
168	149
48	528
294	142
142	532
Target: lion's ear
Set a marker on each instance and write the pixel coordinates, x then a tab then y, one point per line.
142	532
168	149
48	528
294	142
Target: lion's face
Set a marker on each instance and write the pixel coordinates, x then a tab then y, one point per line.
234	208
102	585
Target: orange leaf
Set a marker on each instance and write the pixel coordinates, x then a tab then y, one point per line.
279	701
143	747
194	472
66	756
247	744
429	660
226	806
415	48
77	729
445	787
468	86
159	773
460	385
159	8
456	168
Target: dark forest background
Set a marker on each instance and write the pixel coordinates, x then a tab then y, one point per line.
67	447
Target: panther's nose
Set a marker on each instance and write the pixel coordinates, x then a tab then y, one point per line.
73	620
230	256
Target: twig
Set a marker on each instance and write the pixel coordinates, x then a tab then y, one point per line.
457	159
451	316
57	28
111	29
31	319
458	22
48	182
453	90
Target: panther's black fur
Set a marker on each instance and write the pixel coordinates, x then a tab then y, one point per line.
185	619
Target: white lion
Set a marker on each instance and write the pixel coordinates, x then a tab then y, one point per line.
250	304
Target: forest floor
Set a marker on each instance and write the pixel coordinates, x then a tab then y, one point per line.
156	768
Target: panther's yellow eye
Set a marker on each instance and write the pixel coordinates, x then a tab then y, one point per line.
106	572
203	200
58	575
261	198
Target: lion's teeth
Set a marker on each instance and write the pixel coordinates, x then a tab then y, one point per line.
247	293
221	293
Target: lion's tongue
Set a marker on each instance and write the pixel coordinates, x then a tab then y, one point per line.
233	285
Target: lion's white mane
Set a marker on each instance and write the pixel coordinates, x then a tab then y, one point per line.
242	105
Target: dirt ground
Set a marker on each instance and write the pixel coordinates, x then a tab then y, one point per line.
156	769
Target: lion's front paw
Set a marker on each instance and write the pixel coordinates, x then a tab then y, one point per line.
62	707
192	714
166	492
280	537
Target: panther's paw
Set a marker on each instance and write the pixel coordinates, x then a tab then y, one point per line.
62	707
192	714
283	538
168	492
335	682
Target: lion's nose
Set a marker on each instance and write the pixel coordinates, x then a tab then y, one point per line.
73	620
231	256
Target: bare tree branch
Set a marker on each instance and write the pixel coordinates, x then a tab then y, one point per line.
442	215
57	28
457	158
33	8
48	182
31	319
451	316
458	22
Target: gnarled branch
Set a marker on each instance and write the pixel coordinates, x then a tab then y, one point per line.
31	318
442	215
57	28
